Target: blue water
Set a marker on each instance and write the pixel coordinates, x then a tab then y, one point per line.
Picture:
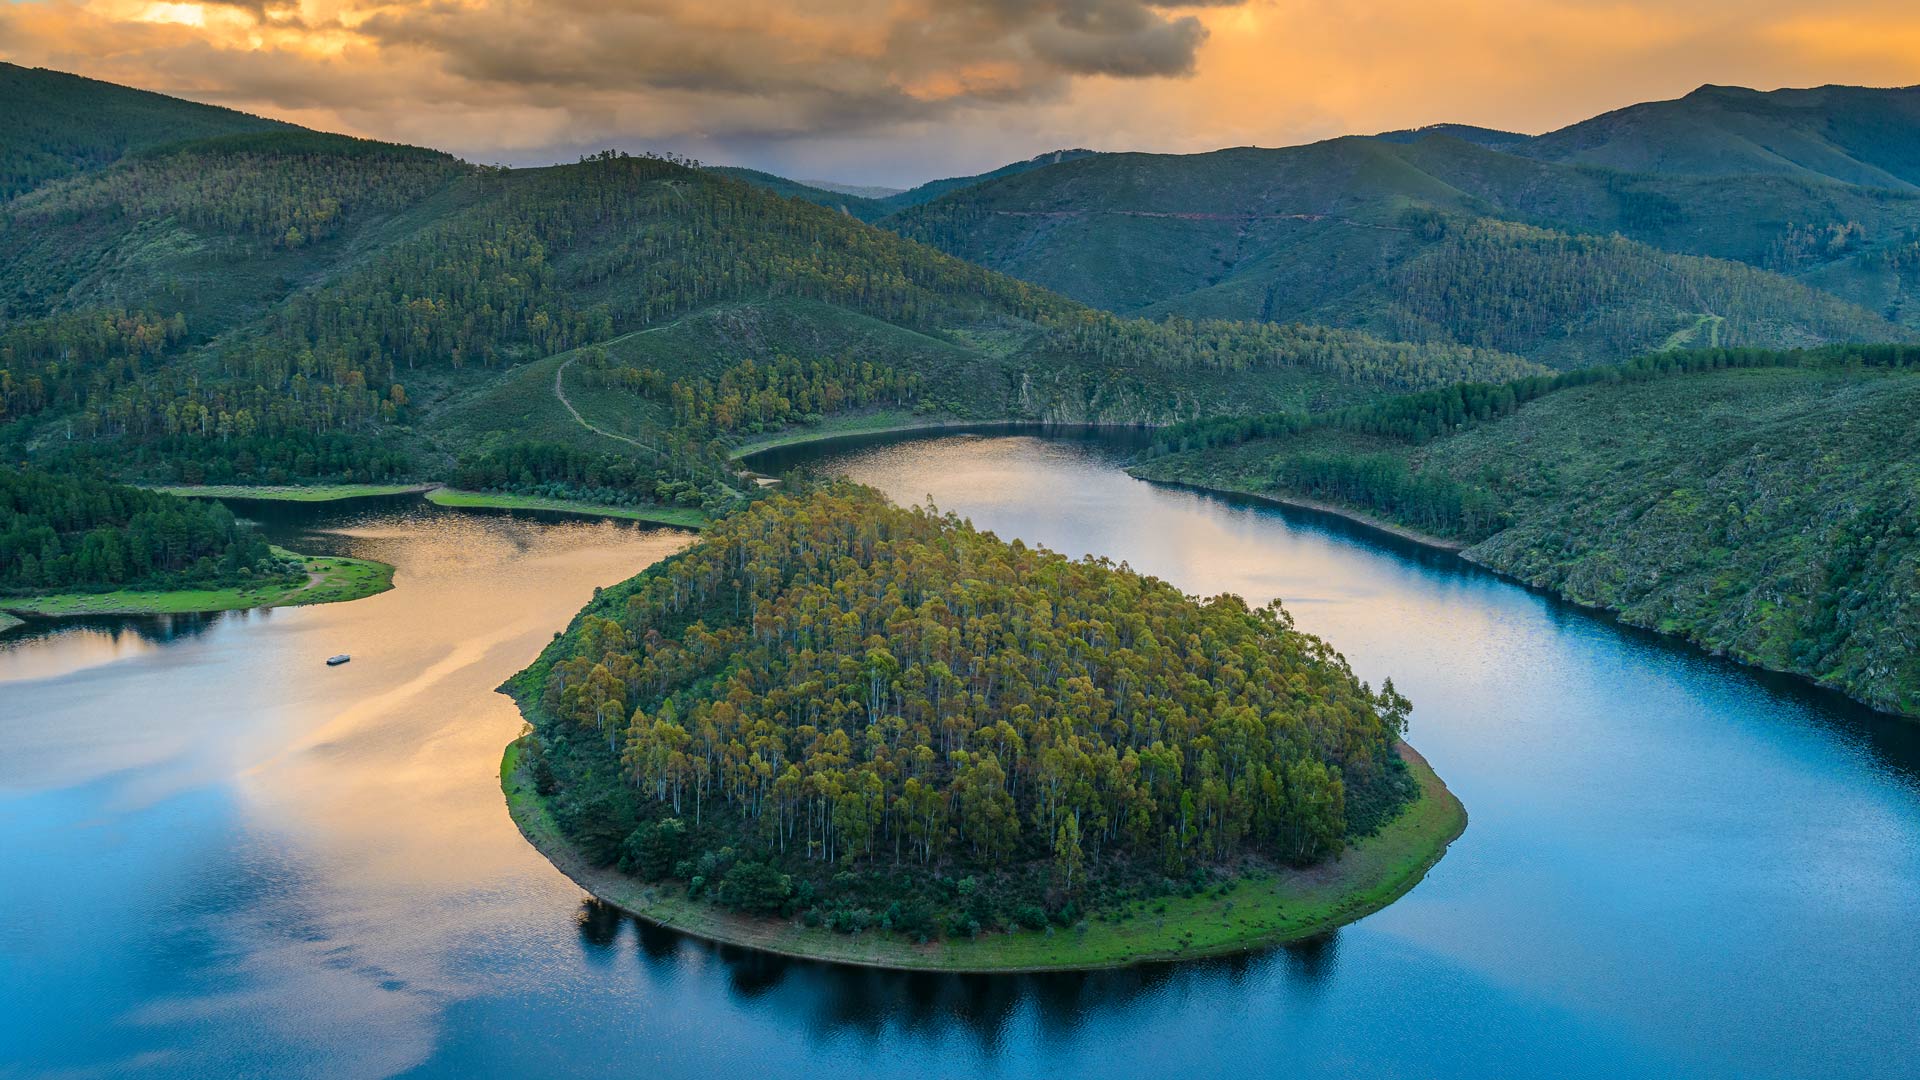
224	859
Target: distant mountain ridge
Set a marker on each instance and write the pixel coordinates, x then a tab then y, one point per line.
1491	138
865	191
1854	135
1810	190
853	201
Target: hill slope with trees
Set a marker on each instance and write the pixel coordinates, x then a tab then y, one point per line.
56	125
1763	505
1852	134
1331	232
285	305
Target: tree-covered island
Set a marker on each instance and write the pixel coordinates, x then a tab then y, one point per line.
837	727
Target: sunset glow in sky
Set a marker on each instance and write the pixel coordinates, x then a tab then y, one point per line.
899	91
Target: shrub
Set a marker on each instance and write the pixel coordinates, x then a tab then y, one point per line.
755	887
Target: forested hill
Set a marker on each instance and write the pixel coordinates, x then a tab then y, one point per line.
289	305
837	708
55	125
857	206
873	208
1852	134
1765	505
1335	232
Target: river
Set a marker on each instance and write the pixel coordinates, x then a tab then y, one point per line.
224	859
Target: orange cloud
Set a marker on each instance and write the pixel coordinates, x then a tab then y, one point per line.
901	89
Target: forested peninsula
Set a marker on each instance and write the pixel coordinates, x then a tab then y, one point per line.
837	727
72	545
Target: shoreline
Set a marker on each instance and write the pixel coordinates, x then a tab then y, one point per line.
290	492
331	579
441	494
1459	550
458	499
1381	525
810	438
1256	913
790	440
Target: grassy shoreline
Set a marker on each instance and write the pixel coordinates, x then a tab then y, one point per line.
1358	517
884	424
681	517
1255	913
290	492
442	495
331	579
898	424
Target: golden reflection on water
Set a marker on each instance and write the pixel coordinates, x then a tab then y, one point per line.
410	728
370	836
81	647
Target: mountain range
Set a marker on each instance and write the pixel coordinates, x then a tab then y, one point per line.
1782	218
254	301
172	266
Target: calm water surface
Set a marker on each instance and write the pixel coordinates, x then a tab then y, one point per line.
225	859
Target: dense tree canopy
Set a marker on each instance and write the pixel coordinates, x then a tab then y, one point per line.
557	471
63	532
830	684
56	125
752	397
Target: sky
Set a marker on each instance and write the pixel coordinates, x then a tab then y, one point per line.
895	92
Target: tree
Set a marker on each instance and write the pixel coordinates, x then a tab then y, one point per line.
1068	859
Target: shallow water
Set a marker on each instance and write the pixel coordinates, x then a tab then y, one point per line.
227	859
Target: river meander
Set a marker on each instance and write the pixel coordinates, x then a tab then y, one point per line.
224	859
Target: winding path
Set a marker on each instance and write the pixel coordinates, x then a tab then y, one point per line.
560	391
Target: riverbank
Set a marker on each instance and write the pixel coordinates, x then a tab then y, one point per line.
330	579
682	517
441	495
1255	913
291	492
888	423
906	424
1596	607
1331	509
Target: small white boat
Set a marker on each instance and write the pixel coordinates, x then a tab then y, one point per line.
336	661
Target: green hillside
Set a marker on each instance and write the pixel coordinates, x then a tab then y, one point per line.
1855	135
873	208
56	125
289	306
934	189
217	229
1332	232
853	205
1763	505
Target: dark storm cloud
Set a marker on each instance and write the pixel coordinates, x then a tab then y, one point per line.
529	78
843	64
